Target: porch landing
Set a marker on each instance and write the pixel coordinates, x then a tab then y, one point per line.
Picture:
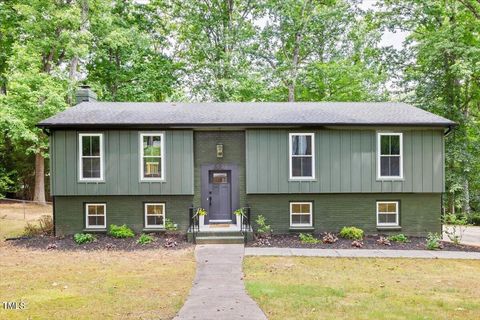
219	234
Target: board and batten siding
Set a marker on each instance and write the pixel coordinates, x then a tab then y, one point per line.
345	161
121	158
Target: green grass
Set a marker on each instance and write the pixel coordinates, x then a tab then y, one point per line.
151	284
328	288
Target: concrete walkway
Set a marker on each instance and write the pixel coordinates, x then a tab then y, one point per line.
218	291
366	253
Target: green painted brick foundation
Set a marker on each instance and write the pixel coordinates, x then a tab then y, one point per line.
419	213
70	211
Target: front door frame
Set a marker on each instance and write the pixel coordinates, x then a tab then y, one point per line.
235	190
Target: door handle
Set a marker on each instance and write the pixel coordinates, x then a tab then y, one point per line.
209	201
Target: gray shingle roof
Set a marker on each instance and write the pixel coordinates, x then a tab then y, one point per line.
141	114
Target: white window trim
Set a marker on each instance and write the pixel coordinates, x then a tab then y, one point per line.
388	224
162	155
300	225
87	226
80	157
154	226
290	136
379	151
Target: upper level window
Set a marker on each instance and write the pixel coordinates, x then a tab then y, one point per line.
387	213
389	155
302	159
91	156
151	159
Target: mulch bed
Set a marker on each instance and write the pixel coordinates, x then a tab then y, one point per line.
369	242
173	241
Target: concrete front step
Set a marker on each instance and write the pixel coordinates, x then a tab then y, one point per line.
220	239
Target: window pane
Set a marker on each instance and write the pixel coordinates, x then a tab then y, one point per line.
100	210
395	145
382	218
391	218
301	219
385	144
86	147
301	166
95	145
392	207
152	167
92	210
305	208
91	167
155	220
152	145
219	178
385	166
395	166
301	145
382	207
296	208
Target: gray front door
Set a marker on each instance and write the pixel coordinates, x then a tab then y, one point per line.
220	195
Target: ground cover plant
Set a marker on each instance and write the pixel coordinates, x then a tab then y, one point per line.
308	238
122	231
81	238
351	233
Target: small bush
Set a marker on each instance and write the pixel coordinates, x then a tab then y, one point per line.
308	238
120	231
81	238
384	241
399	238
329	238
433	241
357	244
351	233
170	225
262	226
43	226
474	219
145	239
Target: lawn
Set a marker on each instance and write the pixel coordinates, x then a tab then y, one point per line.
342	288
150	284
15	215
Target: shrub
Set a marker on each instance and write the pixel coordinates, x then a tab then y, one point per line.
43	226
352	233
120	231
433	241
308	238
170	225
384	241
262	226
357	244
474	219
145	239
81	238
329	238
455	228
399	238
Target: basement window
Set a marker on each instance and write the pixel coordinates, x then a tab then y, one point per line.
154	215
389	156
300	214
91	156
95	214
152	156
302	159
387	214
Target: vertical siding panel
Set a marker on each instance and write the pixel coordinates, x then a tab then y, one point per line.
356	163
282	154
345	161
367	164
124	161
251	154
377	186
60	163
427	161
324	159
71	159
407	162
417	161
334	161
273	148
437	161
112	162
134	162
187	173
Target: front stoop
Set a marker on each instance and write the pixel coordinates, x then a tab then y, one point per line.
219	237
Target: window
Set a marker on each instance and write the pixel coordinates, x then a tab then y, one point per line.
151	160
95	215
387	213
389	151
154	215
91	156
300	214
302	150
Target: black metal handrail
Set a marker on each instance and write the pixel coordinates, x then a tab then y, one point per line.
194	222
245	223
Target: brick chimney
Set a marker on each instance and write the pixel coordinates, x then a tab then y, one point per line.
85	94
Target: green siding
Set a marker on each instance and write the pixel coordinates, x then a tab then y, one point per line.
419	213
233	154
121	150
345	162
70	211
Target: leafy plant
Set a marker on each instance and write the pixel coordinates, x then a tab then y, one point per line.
308	238
398	238
433	241
474	219
262	226
145	239
201	212
455	227
170	225
357	243
239	211
329	238
352	233
384	241
81	238
122	231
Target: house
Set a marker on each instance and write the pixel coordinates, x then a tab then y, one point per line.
304	166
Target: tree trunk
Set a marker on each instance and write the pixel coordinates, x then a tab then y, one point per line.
291	92
466	199
39	193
